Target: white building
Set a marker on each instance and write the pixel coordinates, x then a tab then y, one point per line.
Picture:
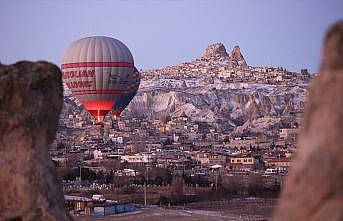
97	155
137	158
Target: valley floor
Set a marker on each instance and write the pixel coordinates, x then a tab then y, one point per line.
235	209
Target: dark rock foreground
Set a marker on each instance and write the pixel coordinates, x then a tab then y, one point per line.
314	189
30	102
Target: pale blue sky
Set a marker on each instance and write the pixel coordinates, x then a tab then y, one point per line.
158	33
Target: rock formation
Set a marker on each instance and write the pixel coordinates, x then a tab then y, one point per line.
314	188
237	57
201	104
215	51
30	103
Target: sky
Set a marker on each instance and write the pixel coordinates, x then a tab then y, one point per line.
285	33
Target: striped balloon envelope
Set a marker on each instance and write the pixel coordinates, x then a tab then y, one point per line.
99	71
125	99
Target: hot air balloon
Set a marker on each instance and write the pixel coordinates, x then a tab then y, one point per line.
129	95
98	70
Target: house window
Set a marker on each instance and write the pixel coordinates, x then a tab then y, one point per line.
250	160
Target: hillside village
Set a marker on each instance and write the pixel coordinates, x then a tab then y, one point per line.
208	118
217	63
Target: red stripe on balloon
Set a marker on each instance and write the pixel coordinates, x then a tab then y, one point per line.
99	92
98	104
97	64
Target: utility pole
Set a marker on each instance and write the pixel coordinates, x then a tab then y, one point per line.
278	171
145	185
80	173
216	171
146	182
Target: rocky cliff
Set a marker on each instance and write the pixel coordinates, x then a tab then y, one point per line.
229	105
237	58
30	102
215	51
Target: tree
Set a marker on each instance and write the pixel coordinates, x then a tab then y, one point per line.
256	185
158	181
177	186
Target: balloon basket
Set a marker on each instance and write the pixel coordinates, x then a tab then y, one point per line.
98	124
